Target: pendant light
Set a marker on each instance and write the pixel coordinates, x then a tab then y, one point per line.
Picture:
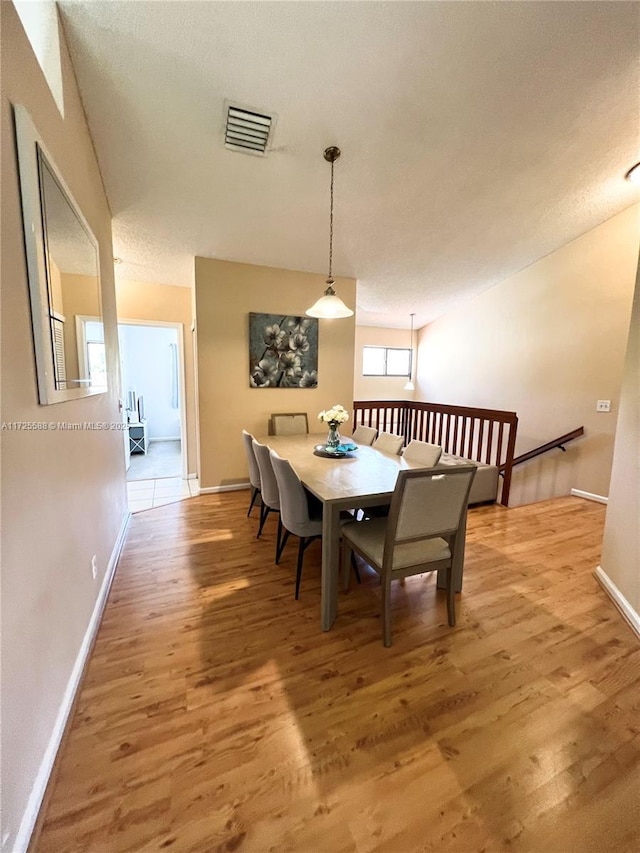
410	386
330	306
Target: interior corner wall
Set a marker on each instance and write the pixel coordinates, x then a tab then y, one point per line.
63	492
381	387
166	303
546	343
226	293
621	545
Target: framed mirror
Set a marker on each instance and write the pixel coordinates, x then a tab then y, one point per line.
64	277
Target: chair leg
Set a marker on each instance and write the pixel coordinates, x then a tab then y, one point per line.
261	521
299	569
264	512
355	567
345	564
386	611
253	500
305	541
278	538
282	544
451	598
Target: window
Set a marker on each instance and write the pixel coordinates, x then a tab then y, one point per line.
92	357
386	361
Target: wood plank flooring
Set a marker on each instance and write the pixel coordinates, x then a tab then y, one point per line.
216	716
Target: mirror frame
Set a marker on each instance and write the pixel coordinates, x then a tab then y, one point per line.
28	142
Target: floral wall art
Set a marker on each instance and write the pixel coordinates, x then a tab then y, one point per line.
283	351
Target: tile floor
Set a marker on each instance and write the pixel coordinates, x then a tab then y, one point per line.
145	494
163	459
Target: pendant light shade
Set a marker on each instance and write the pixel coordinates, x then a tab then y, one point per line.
410	386
330	306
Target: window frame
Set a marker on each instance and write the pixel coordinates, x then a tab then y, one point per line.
386	350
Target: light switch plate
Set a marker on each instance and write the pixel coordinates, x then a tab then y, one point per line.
603	406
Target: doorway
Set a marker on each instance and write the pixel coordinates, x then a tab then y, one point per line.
152	371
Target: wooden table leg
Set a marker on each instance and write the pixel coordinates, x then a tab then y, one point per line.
330	563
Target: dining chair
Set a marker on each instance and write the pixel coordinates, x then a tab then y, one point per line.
289	423
421	533
300	513
364	435
423	452
254	471
269	491
416	451
389	443
294	511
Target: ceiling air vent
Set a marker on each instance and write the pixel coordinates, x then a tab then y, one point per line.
247	130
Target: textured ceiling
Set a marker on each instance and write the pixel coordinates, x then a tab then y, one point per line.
476	137
67	242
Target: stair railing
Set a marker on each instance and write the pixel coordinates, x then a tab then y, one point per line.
550	445
484	435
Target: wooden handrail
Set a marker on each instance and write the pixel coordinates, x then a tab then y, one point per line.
550	445
484	435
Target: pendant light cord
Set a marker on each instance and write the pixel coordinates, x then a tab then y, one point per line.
331	227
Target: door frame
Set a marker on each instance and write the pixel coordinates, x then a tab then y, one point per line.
182	397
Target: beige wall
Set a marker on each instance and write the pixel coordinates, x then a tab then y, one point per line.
225	294
63	493
621	545
546	343
79	297
166	304
380	387
55	288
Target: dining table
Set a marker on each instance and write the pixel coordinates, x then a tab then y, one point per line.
361	478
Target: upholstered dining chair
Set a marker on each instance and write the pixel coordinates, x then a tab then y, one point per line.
299	514
423	452
294	511
389	443
269	491
421	533
295	423
364	435
254	471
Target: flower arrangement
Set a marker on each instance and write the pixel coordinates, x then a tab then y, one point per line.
334	416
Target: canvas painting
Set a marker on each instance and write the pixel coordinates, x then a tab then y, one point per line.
283	351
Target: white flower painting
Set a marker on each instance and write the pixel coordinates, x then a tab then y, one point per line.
283	351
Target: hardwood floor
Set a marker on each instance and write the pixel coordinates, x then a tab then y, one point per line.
216	716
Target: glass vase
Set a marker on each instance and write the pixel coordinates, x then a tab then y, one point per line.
333	439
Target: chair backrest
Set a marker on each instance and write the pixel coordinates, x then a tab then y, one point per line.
269	485
294	507
422	451
389	443
288	423
254	471
364	434
427	502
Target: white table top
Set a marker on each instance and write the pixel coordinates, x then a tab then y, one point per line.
366	475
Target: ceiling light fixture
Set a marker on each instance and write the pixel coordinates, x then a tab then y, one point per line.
410	386
330	306
633	174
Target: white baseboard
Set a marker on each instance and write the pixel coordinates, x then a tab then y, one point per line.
30	815
578	493
192	476
619	600
165	438
234	487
